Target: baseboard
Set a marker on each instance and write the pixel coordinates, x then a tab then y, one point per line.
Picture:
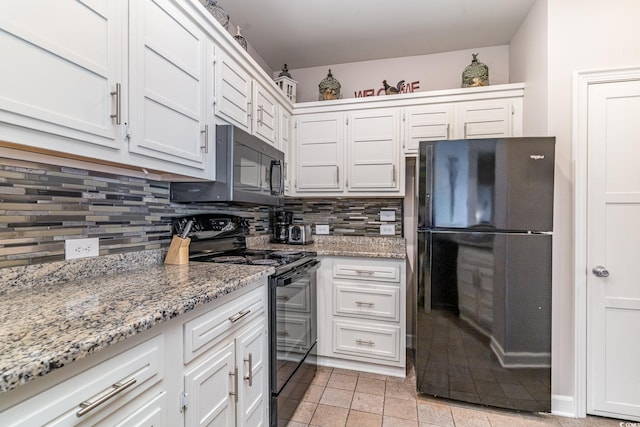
520	359
563	406
392	371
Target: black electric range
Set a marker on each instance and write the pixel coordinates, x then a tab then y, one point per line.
292	302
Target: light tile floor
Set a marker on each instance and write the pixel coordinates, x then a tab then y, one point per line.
339	397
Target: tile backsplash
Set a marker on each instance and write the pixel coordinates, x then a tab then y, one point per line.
347	217
41	205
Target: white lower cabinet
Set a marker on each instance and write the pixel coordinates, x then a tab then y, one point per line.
97	393
363	302
227	385
207	367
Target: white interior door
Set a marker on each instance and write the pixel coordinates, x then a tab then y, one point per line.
613	242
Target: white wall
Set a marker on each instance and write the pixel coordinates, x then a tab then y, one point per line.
528	53
437	71
581	35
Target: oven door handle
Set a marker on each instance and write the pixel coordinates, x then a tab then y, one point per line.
305	270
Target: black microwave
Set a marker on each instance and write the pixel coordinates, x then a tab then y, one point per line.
248	170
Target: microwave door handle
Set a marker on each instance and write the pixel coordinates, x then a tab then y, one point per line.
277	192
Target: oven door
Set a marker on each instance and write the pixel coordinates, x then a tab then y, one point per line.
293	321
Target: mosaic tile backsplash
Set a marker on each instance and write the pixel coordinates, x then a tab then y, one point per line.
41	205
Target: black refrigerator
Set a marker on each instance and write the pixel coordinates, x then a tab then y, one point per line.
483	315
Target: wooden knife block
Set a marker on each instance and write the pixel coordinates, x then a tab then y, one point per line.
178	251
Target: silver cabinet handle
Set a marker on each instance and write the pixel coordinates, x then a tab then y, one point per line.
600	271
249	112
118	94
118	388
205	147
249	376
367	342
234	374
338	175
367	272
394	175
465	130
447	130
370	304
239	315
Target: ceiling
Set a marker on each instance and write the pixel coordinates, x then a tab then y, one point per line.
309	33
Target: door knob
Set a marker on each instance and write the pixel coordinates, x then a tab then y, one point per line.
600	271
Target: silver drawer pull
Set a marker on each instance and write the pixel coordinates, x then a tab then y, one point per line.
367	272
234	393
283	297
118	388
283	333
239	315
370	304
249	376
367	342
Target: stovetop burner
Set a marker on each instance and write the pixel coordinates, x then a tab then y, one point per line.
221	238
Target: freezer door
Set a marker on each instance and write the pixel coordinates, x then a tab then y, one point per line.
491	184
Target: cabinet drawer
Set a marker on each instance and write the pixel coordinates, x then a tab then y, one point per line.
370	301
204	332
116	381
371	340
366	271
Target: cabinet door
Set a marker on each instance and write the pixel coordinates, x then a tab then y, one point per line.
426	123
168	84
373	150
55	80
485	119
233	91
320	153
265	114
252	361
285	141
209	387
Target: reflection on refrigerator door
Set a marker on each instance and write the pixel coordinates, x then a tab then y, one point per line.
483	318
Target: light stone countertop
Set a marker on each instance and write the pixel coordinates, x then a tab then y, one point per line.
372	247
53	314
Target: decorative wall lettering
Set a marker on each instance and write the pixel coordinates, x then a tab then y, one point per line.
404	88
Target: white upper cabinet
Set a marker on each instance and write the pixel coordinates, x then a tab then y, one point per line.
265	114
56	85
320	153
242	100
131	86
233	91
366	164
483	118
373	151
486	119
170	79
426	123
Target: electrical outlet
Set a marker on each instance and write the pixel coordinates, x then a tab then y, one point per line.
322	228
387	229
81	248
387	215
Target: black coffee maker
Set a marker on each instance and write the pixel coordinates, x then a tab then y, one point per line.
280	222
